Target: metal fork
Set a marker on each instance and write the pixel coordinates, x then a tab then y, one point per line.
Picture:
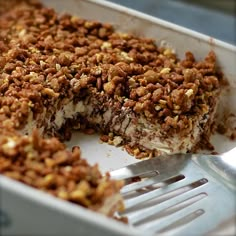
186	194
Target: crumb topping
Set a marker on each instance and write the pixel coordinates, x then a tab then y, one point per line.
46	57
46	165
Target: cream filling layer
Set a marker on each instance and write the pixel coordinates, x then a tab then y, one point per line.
135	129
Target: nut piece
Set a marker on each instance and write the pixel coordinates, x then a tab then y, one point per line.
151	76
50	92
189	93
165	71
117	140
109	87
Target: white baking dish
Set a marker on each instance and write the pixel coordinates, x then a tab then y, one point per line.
26	211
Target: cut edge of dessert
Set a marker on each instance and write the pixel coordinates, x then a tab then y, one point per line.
60	72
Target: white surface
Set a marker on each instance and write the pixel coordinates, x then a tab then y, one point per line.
107	156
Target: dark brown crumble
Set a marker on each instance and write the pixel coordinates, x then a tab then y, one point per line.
46	58
46	165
